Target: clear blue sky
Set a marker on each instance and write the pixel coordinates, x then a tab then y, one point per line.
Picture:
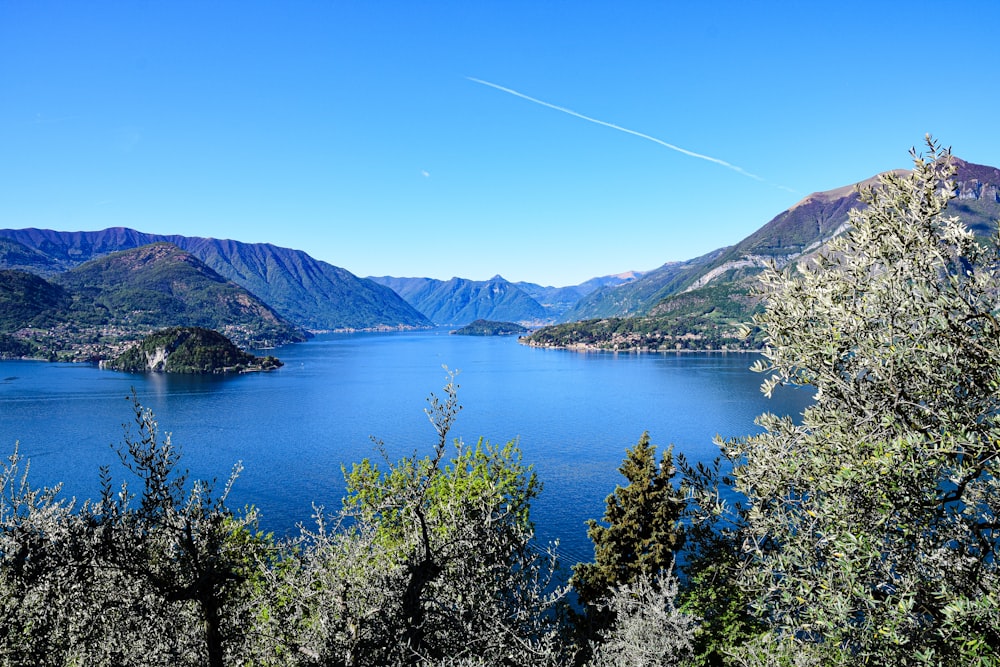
387	137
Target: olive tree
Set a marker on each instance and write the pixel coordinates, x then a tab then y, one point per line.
161	575
648	629
871	525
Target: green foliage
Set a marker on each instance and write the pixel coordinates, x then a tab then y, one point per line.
188	350
649	630
640	533
14	348
635	545
450	541
871	526
712	590
28	301
157	576
490	328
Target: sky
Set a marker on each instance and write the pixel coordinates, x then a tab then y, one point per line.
547	142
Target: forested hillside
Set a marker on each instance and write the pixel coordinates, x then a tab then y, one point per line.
312	294
91	311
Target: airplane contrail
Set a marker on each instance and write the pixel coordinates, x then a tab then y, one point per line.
618	127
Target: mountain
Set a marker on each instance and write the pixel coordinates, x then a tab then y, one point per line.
312	294
557	301
17	256
460	301
637	296
814	220
700	303
188	350
29	301
161	285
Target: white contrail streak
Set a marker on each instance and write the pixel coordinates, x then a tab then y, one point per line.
619	128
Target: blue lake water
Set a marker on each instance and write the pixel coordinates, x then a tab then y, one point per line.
573	414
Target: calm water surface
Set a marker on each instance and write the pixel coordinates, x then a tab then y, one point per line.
573	413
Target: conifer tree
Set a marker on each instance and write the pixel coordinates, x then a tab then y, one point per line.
640	532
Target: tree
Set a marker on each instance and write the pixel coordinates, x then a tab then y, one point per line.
640	533
648	629
35	576
639	538
715	526
871	527
432	561
179	542
163	576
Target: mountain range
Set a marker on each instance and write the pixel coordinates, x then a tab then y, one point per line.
92	310
699	303
461	301
121	277
312	294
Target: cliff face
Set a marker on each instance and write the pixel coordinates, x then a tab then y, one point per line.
977	181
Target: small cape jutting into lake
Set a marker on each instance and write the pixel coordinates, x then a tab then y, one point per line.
188	350
490	328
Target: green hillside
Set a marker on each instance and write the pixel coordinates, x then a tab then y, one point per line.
91	311
26	300
188	350
307	292
161	285
490	328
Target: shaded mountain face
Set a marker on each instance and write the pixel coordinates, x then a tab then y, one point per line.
459	301
312	294
19	257
27	300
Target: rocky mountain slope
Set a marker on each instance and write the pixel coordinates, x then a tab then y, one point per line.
700	303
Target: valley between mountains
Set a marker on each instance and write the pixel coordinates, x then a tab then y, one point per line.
87	296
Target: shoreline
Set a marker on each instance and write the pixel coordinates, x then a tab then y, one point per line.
584	347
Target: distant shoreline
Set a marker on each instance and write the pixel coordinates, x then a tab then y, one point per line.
583	347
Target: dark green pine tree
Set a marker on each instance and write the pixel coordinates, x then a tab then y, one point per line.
641	529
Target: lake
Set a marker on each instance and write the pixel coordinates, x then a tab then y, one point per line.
573	413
